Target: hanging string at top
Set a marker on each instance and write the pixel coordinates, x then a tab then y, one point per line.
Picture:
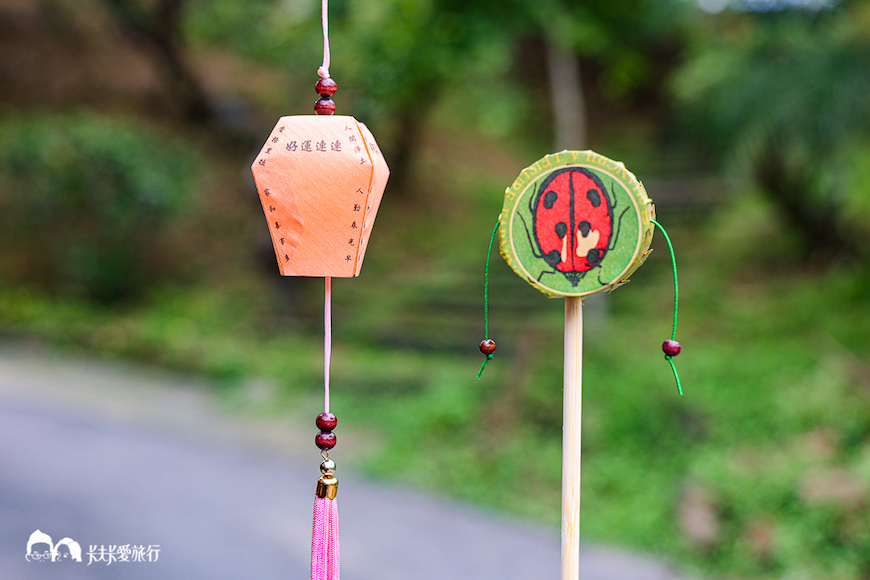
325	86
323	71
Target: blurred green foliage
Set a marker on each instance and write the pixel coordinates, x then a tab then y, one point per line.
396	61
782	98
85	199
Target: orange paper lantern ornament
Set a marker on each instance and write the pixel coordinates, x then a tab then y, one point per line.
321	179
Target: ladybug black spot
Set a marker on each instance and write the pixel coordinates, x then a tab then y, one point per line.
584	228
594	256
594	197
561	229
553	258
550	199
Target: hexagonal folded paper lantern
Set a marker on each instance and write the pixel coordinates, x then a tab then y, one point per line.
320	180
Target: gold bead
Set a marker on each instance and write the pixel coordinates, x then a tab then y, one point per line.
327	486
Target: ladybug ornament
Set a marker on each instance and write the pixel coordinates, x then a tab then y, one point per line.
573	224
576	223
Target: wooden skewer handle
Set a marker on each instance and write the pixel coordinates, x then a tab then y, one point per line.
571	419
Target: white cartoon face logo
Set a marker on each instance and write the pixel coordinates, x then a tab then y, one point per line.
71	550
40	548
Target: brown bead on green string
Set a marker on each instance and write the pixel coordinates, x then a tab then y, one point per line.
670	346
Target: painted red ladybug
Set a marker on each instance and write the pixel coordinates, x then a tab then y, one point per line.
572	220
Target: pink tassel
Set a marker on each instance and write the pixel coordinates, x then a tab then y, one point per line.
324	539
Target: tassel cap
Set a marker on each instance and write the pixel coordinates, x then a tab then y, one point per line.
327	486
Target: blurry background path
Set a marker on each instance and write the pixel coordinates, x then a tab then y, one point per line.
113	455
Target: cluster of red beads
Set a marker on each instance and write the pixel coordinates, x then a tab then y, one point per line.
326	422
325	88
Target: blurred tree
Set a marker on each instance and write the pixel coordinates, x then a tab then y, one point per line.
629	47
417	49
630	42
86	202
783	95
158	29
395	60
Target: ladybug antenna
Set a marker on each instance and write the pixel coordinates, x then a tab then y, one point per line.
487	345
671	347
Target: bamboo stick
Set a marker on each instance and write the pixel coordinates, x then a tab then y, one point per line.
571	420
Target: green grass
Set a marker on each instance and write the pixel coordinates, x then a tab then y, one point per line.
775	368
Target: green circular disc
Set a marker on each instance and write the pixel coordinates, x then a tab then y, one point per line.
576	223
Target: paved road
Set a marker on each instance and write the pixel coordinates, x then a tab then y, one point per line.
110	455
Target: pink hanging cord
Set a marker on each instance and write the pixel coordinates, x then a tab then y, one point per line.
324	536
323	71
327	341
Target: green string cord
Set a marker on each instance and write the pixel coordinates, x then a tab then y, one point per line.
486	298
669	358
486	294
676	284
